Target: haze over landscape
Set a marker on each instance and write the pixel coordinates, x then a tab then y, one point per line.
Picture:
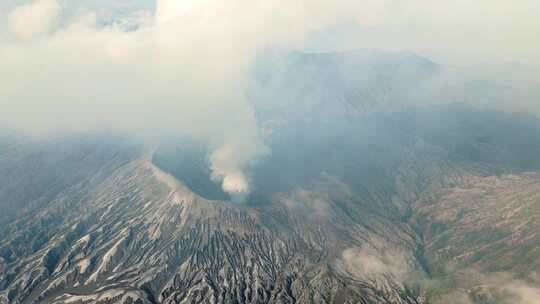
310	151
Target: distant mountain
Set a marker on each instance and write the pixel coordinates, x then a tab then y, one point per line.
322	86
326	86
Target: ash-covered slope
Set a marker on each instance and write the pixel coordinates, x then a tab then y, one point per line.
142	235
35	170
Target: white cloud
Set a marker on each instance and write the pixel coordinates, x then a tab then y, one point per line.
38	17
366	262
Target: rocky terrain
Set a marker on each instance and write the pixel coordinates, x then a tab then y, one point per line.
140	235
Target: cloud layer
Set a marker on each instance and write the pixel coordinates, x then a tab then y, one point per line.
181	69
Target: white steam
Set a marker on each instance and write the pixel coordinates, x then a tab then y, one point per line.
227	164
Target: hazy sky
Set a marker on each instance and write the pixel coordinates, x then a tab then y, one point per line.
453	31
180	67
